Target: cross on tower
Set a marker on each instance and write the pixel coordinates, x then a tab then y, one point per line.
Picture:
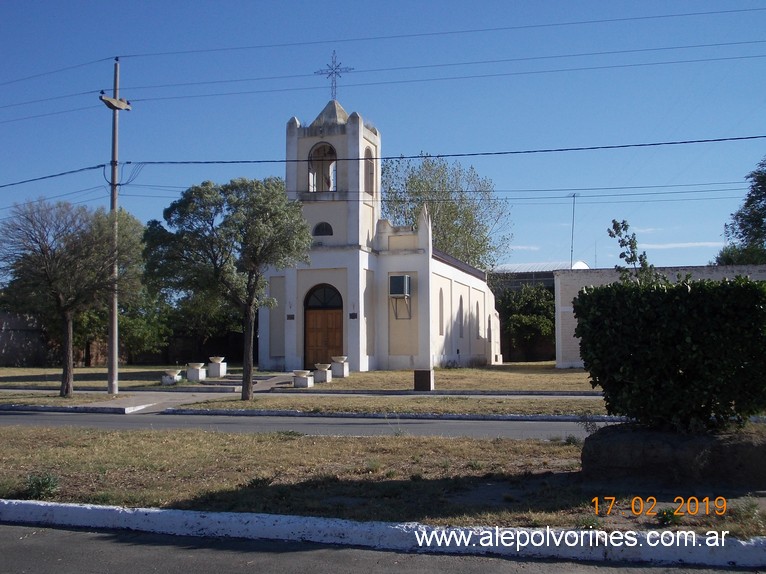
333	72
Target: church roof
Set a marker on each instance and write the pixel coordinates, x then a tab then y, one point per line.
333	113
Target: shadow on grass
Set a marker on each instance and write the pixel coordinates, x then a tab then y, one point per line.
414	498
527	368
150	376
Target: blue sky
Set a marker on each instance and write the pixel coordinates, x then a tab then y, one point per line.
219	81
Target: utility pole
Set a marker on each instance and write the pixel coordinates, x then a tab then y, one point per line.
113	346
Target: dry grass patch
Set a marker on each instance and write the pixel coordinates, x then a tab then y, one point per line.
511	377
413	404
388	478
399	478
50	377
53	399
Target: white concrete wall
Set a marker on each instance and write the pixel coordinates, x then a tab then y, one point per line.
568	284
363	248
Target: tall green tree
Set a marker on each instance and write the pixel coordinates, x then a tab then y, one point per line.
529	315
219	241
746	232
469	221
57	260
640	271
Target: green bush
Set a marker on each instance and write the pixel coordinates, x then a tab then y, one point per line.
689	356
41	486
528	315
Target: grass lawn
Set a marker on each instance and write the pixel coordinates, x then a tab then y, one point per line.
412	404
50	377
542	376
510	377
436	480
53	399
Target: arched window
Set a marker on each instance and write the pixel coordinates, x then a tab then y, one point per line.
323	297
322	228
369	172
323	165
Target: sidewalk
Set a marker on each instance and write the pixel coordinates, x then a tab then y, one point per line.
151	401
173	400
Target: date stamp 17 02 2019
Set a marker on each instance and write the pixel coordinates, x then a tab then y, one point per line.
646	506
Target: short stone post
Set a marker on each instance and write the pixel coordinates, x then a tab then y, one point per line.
303	379
171	377
217	367
196	372
340	367
323	374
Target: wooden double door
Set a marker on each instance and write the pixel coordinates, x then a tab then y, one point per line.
324	336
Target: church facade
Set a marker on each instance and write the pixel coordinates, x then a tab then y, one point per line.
379	294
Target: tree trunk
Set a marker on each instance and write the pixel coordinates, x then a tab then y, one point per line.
247	358
67	375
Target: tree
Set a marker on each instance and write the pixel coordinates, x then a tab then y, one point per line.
222	239
57	261
469	221
733	254
642	271
529	315
746	233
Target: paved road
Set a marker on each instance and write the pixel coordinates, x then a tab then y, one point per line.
37	550
307	425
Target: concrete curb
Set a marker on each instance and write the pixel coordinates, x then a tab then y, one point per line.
317	389
393	416
403	537
76	409
202	388
340	415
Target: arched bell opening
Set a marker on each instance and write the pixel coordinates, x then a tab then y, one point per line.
323	168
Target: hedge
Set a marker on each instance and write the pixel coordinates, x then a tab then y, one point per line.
689	356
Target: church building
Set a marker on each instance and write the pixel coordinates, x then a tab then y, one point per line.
378	294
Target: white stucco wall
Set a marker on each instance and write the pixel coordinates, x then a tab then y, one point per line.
569	282
357	260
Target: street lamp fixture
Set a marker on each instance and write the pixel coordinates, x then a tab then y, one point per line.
115	104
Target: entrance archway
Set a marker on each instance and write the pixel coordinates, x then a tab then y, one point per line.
323	330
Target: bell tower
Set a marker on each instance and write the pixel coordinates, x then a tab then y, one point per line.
333	168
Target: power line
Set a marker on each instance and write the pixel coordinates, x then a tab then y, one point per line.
384	37
397	68
7	217
440	33
140	164
445	65
581	202
50	99
467	154
60	112
51	72
55	175
571	189
452	78
57	196
165	187
632	194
